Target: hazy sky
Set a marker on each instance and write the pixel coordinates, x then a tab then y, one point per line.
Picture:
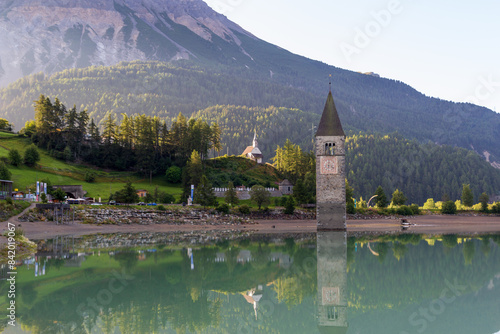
447	49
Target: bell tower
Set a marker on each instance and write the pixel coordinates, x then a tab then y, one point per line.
330	170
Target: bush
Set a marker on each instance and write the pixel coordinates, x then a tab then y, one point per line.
495	208
350	209
15	158
429	204
223	208
415	209
161	208
449	208
174	174
404	210
90	176
9	200
244	209
166	198
59	195
5	174
290	206
31	156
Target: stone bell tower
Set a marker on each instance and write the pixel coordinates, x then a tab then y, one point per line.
330	170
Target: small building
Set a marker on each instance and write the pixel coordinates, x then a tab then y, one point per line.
17	195
286	187
142	193
72	191
5	189
253	152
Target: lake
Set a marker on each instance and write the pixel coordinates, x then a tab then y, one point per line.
328	282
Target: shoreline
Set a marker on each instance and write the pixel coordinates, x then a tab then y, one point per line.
425	224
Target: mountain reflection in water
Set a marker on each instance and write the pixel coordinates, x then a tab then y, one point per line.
325	283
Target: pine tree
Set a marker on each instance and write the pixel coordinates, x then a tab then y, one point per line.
300	192
191	174
289	206
467	196
398	198
94	133
231	196
127	195
109	132
204	193
381	199
483	199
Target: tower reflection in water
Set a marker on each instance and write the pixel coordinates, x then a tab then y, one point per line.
332	281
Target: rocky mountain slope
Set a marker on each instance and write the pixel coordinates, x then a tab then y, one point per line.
53	35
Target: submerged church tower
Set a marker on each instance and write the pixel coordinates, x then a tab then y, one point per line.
330	170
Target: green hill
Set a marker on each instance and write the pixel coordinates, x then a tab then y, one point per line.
420	171
365	103
62	173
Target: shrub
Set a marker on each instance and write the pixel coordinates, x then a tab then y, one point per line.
161	208
449	208
31	156
223	208
350	209
90	176
5	174
483	199
15	158
429	204
415	209
404	210
166	198
495	208
290	206
174	174
260	196
9	200
244	209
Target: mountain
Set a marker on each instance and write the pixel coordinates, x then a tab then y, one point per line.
54	35
201	60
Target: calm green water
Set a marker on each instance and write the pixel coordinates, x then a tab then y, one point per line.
329	283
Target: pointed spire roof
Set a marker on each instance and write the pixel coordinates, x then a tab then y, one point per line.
330	125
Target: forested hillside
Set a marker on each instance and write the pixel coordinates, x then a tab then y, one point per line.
273	126
419	171
365	103
155	89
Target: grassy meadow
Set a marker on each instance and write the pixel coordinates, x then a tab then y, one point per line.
63	173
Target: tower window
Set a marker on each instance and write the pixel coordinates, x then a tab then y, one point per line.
329	148
333	313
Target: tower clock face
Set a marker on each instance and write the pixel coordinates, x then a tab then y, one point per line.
329	165
331	296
